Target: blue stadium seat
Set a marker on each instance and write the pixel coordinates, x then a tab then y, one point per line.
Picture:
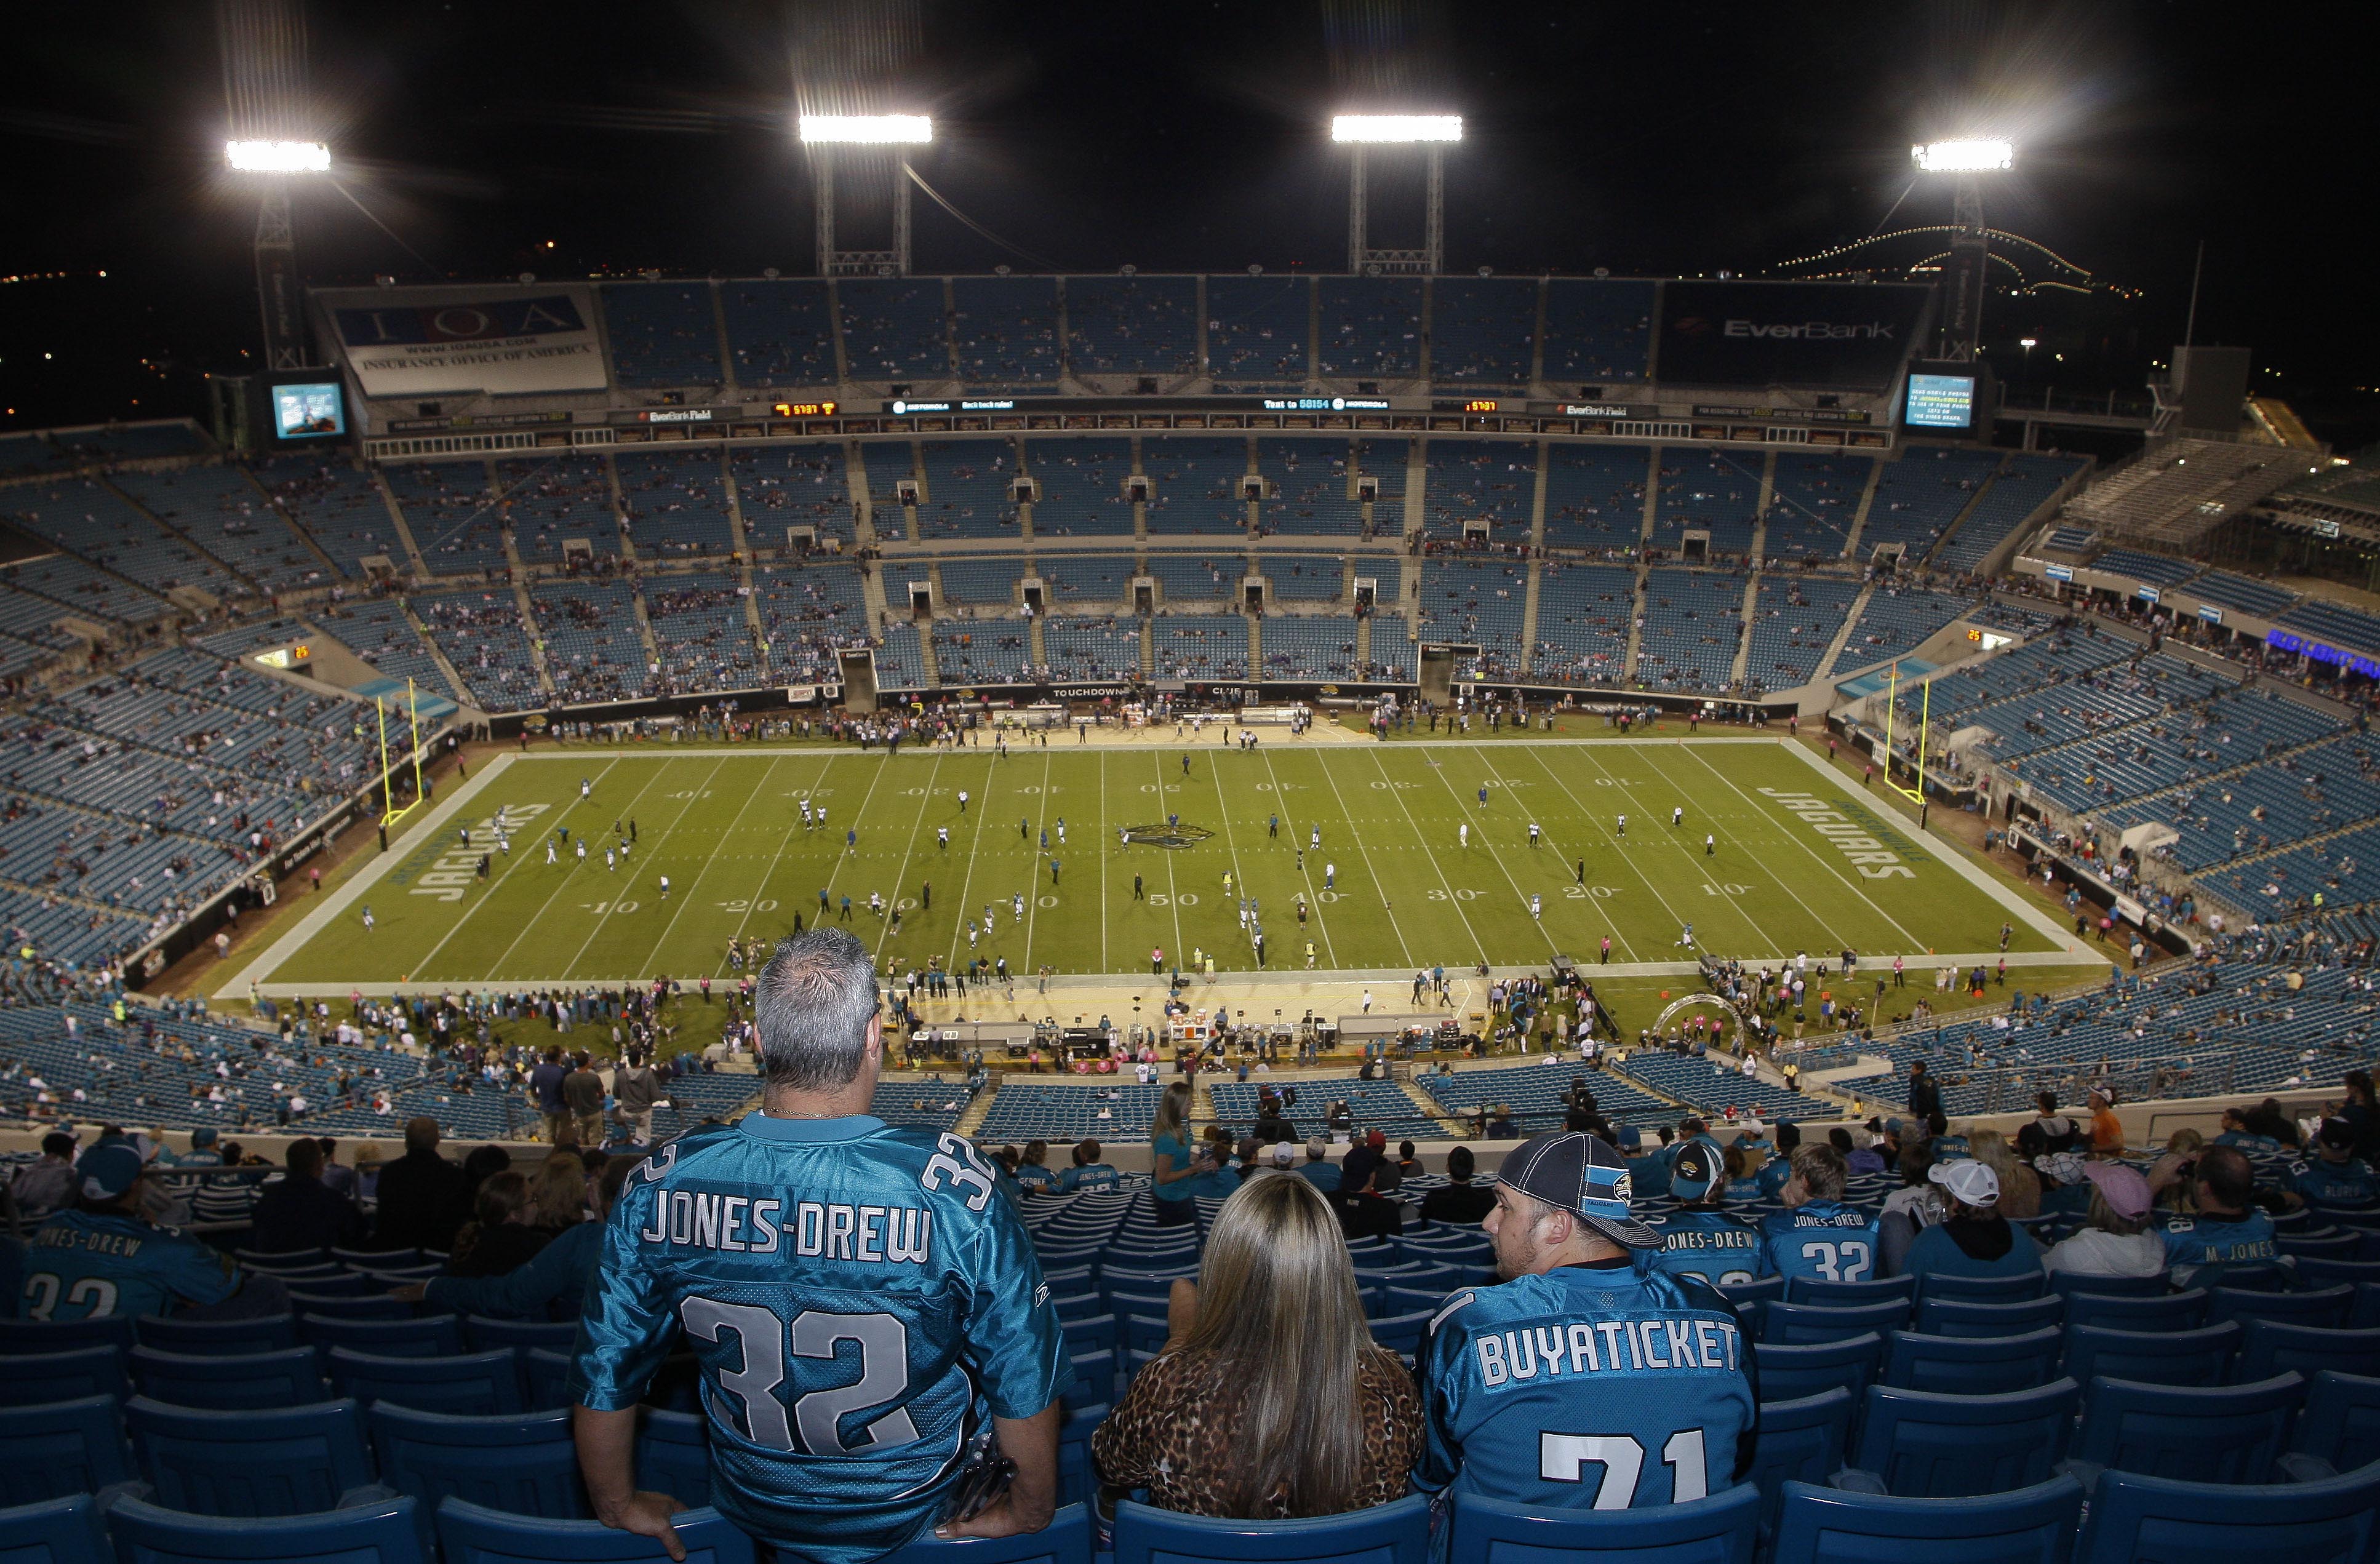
1142	1333
2067	1284
229	1381
380	1533
2155	1357
523	1463
2318	1272
20	1338
2271	1347
1767	1290
2031	1526
1077	1482
295	1260
1393	1533
482	1334
1955	1316
284	1460
1971	1366
432	1336
2216	1434
2136	1519
1920	1445
469	1534
1790	1373
58	1531
1942	1286
2327	1307
2367	1306
467	1384
376	1259
35	1379
2172	1311
674	1455
1722	1529
1802	1440
218	1338
1788	1323
337	1282
1066	1540
1849	1294
546	1374
63	1448
378	1306
2339	1431
1402	1334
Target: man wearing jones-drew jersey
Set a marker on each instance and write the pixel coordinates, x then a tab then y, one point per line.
1590	1379
859	1299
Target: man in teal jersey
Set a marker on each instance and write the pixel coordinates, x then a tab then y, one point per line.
2227	1231
1590	1379
1819	1237
100	1257
859	1301
1699	1238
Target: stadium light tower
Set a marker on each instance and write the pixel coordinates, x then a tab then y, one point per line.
1965	163
1359	133
264	94
824	133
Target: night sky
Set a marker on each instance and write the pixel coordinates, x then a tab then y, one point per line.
490	137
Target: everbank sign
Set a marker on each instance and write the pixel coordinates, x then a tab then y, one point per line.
1815	331
1848	335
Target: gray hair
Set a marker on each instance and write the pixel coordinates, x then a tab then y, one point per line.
812	1008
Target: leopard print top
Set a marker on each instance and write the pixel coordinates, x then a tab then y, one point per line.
1170	1433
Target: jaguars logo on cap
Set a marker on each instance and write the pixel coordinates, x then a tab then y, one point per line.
1624	1187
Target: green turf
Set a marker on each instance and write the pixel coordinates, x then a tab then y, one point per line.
725	826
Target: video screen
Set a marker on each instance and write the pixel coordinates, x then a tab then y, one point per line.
311	411
1941	401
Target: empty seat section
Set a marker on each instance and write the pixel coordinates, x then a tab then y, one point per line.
1584	612
1482	332
1598	333
1480	482
663	333
1005	332
1710	491
1195	482
1082	487
779	332
1257	332
675	503
893	328
1307	489
1694	621
1131	325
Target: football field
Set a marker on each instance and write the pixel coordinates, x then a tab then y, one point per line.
1406	855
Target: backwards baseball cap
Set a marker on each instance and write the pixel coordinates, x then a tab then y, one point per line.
2338	1134
201	1136
1375	1139
1970	1183
2126	1193
108	1170
1578	1173
1284	1155
1696	1172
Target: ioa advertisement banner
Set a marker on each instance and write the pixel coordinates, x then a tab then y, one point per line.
418	343
1855	336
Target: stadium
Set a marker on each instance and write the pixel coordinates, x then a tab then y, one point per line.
523	768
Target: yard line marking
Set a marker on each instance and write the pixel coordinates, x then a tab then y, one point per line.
612	905
423	963
1448	887
786	840
570	873
1323	923
652	955
1230	846
1172	889
1386	906
1625	948
1799	840
1550	944
1730	902
909	851
1104	918
1032	897
1588	815
958	924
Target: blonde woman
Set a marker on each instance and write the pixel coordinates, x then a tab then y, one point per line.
2020	1186
1270	1398
1175	1171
